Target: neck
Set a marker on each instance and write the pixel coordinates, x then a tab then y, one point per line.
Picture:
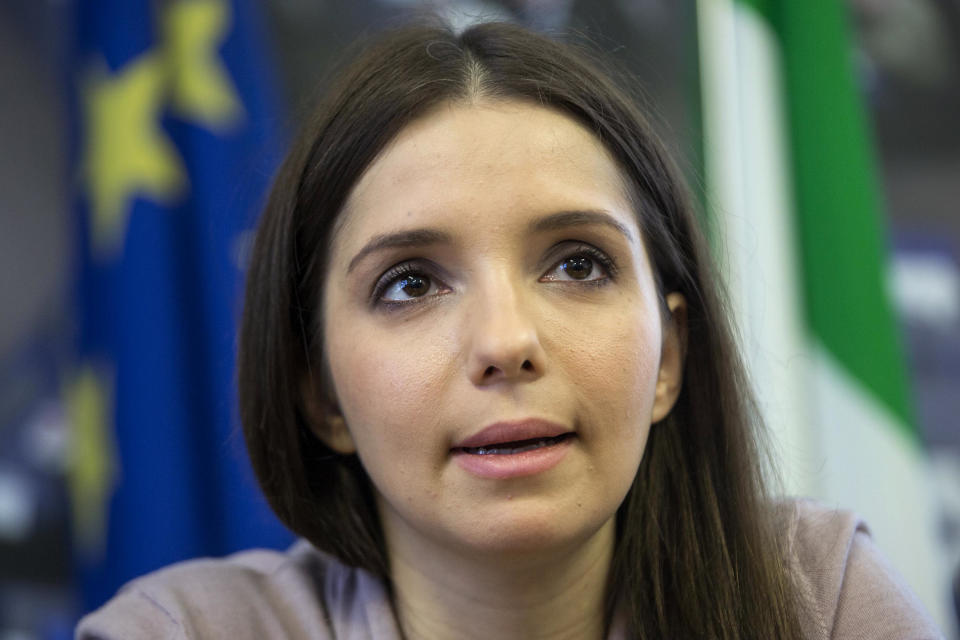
544	595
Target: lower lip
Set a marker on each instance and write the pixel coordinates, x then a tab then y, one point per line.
500	466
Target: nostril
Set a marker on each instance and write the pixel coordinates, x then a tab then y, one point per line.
490	371
527	365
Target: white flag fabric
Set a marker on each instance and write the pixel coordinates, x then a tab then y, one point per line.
791	183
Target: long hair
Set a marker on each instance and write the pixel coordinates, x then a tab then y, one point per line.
698	552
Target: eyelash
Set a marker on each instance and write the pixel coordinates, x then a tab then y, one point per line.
417	267
394	273
605	262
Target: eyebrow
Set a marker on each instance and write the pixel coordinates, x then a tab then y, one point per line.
400	239
429	236
564	219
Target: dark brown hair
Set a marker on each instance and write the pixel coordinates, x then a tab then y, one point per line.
698	552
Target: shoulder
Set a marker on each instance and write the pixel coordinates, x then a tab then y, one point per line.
302	593
850	589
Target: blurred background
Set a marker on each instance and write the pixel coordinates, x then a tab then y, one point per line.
137	139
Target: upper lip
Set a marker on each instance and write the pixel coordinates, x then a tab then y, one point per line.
512	431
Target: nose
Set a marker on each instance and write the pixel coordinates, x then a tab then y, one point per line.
504	338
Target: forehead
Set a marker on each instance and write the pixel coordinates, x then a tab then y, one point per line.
485	164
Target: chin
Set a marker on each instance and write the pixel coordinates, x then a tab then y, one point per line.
529	533
519	526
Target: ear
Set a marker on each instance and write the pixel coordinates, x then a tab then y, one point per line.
324	417
672	357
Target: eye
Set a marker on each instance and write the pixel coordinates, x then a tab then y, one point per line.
412	285
406	283
584	264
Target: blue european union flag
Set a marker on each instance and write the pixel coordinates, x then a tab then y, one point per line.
176	116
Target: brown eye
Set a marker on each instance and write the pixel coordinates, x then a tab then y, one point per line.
583	264
577	267
406	284
414	285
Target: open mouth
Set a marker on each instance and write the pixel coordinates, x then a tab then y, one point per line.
511	448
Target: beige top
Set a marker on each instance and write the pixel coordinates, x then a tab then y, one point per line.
304	593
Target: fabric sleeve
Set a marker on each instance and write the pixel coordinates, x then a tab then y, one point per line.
849	589
874	602
249	596
132	615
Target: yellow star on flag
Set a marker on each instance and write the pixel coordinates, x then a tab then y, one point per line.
126	153
91	466
201	89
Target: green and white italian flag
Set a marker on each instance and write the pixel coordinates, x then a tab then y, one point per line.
791	186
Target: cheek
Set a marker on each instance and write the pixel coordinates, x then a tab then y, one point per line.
613	360
614	375
386	381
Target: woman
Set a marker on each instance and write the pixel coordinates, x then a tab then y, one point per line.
485	374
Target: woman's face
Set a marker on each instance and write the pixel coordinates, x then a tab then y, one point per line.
493	332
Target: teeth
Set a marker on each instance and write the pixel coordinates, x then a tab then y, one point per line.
507	449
